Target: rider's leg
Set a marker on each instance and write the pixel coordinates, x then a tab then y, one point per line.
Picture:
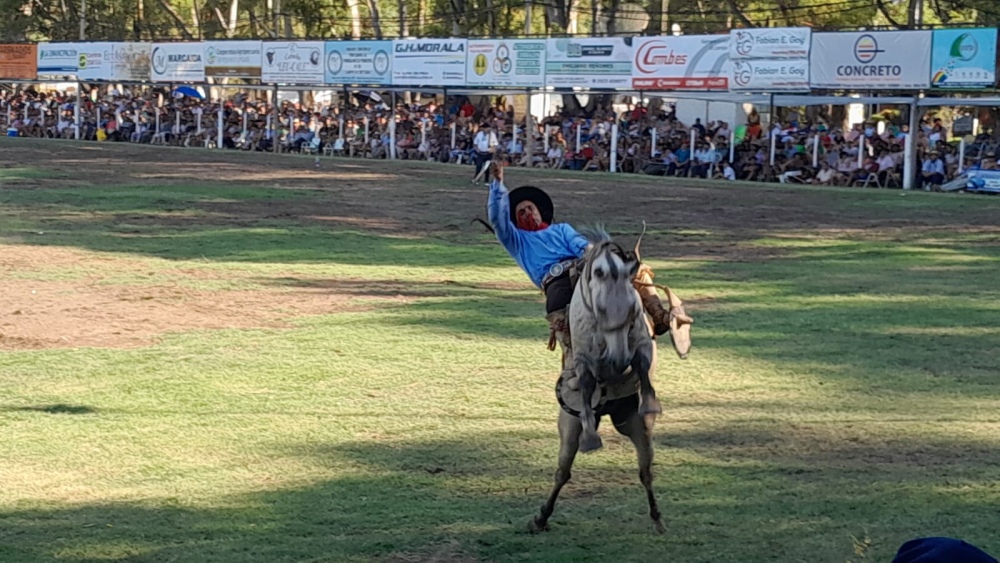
558	294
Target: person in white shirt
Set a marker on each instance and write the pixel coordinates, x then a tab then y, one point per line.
826	175
484	143
932	172
886	164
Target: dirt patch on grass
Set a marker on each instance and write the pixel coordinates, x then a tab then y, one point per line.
87	310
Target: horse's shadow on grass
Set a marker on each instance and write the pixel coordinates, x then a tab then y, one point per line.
472	498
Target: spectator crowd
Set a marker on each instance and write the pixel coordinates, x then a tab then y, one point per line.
651	142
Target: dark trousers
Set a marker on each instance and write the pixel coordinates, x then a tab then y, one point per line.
481	159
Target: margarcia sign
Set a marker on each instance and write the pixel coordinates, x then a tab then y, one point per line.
770	76
871	60
687	62
177	62
770	43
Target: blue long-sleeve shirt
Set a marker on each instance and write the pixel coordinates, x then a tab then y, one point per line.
534	251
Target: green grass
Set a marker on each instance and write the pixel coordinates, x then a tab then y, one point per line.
841	398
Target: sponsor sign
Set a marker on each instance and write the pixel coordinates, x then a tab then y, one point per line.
871	60
686	62
177	62
292	62
983	181
593	62
510	62
58	59
770	76
233	59
964	58
428	62
770	43
358	62
114	61
18	61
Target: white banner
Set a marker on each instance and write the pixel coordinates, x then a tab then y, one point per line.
114	61
177	62
871	60
358	62
686	62
58	59
770	43
235	59
96	61
131	61
428	62
591	62
292	62
770	76
506	62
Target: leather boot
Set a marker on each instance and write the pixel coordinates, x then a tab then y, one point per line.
643	283
559	332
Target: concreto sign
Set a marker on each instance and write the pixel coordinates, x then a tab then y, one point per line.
872	60
865	50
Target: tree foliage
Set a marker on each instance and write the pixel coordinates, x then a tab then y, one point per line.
59	20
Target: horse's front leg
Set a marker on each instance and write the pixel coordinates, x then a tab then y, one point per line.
589	441
649	405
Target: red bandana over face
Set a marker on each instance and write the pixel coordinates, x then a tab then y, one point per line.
526	221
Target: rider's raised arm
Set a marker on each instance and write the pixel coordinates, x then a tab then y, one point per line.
499	212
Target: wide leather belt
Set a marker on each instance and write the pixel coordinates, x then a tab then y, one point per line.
557	270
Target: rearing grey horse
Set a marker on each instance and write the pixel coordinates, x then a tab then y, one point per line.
612	347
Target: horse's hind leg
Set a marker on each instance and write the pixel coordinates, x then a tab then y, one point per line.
631	424
569	443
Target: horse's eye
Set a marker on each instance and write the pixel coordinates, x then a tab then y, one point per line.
599	272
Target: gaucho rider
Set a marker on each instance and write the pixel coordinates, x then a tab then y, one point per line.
546	251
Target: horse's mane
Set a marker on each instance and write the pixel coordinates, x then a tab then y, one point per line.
595	233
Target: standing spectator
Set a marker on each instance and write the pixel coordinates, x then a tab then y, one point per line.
484	143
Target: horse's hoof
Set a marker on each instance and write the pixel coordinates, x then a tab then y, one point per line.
650	405
534	527
590	443
658	527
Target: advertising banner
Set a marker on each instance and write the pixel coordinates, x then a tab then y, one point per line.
871	60
58	59
770	76
508	62
233	59
592	62
358	62
686	62
18	61
770	43
96	61
983	181
964	58
131	61
428	62
292	62
177	62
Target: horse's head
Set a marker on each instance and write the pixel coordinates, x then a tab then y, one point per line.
608	273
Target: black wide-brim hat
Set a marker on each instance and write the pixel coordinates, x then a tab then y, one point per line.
535	195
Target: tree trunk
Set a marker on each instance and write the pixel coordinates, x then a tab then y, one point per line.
457	10
195	21
491	19
421	17
613	17
355	11
181	26
376	20
404	25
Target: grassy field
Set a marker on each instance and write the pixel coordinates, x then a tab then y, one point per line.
221	357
